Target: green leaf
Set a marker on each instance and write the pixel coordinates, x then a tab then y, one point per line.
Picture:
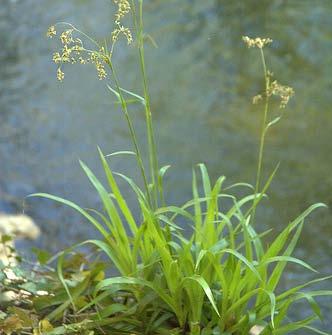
272	298
244	260
117	193
201	281
198	210
313	304
43	256
30	287
104	284
6	238
97	225
118	153
273	122
315	330
288	259
286	329
206	180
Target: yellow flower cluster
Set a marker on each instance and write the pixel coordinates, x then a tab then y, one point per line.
98	61
123	9
256	99
122	30
282	91
67	37
273	87
60	75
51	32
73	51
256	42
276	89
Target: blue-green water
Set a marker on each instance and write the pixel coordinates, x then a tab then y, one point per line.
202	79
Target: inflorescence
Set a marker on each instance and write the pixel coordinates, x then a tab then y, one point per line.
273	86
282	91
73	50
123	10
256	42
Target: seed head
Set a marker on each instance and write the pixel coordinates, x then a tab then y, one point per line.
66	37
123	9
101	70
256	99
57	58
256	42
60	75
51	32
82	60
282	91
122	30
98	60
73	51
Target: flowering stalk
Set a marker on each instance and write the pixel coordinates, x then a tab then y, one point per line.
271	88
131	130
153	159
73	51
263	129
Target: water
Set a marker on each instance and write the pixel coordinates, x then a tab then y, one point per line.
202	79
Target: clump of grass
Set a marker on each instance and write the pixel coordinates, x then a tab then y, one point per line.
220	278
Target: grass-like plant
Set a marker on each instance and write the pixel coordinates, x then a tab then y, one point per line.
201	268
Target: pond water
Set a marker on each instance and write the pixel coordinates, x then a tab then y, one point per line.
202	79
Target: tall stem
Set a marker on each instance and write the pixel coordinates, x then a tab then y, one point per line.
132	131
263	129
153	159
262	137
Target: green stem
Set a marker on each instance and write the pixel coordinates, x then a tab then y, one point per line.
153	159
263	129
132	131
262	137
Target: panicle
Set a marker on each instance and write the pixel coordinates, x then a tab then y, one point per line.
273	86
125	31
60	75
98	61
51	32
256	99
66	37
282	91
257	42
73	51
123	9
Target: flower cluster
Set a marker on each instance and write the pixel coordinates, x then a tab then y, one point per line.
123	9
73	51
256	42
67	37
257	98
51	32
282	91
60	75
274	88
99	63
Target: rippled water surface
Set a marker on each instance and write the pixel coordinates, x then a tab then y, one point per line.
202	79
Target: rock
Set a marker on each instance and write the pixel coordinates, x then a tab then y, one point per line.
256	330
17	226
